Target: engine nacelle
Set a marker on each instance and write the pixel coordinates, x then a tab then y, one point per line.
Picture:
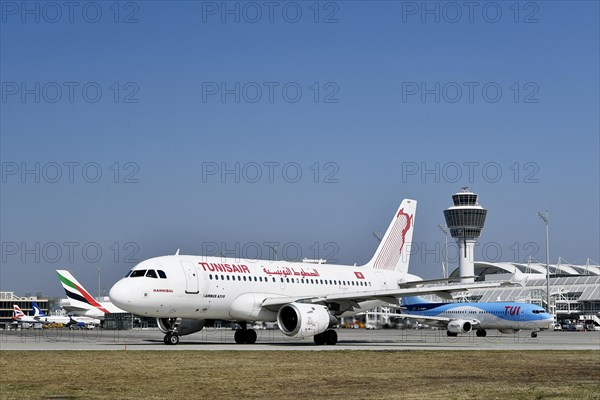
460	326
300	320
185	327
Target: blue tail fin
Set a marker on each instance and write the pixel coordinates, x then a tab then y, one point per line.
37	310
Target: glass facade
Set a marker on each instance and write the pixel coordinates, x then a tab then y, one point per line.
465	222
464	199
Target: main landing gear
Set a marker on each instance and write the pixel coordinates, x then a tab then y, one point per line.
244	335
481	333
328	337
534	334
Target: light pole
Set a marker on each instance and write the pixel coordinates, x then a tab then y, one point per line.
544	217
98	269
445	264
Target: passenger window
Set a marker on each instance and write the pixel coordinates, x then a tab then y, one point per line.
151	274
137	273
162	274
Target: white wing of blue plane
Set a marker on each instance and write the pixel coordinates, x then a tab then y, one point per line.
506	317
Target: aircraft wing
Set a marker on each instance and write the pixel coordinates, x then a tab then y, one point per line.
351	300
439	320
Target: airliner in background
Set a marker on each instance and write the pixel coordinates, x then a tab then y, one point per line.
20	317
306	300
81	303
70	320
41	317
506	317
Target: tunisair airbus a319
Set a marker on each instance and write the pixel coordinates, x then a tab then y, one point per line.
306	300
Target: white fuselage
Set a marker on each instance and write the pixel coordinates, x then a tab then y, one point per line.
218	288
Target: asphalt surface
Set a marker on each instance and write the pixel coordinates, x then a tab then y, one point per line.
348	339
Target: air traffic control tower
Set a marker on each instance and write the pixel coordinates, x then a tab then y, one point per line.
465	219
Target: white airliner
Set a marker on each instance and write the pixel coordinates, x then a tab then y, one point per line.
506	317
20	317
68	320
304	299
44	318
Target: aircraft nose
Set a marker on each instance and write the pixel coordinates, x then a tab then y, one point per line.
120	295
548	321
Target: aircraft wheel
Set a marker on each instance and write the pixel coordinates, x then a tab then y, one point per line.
174	339
533	334
320	339
167	339
481	333
239	336
451	334
250	336
331	338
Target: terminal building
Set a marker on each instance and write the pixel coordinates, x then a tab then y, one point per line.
574	289
9	299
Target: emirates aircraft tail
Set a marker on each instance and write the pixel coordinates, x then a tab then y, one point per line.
393	252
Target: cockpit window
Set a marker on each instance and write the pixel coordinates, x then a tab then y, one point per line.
128	273
162	274
151	274
136	273
538	311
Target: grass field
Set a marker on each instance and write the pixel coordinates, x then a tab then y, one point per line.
300	375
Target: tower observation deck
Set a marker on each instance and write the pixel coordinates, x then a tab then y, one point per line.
465	219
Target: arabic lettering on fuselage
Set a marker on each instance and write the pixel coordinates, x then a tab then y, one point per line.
287	271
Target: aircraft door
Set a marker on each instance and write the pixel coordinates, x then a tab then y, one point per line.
191	277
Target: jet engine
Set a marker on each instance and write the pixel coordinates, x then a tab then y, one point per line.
300	320
182	326
459	326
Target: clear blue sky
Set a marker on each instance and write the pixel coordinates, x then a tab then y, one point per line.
389	91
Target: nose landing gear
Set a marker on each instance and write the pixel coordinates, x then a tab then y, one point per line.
171	338
172	335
